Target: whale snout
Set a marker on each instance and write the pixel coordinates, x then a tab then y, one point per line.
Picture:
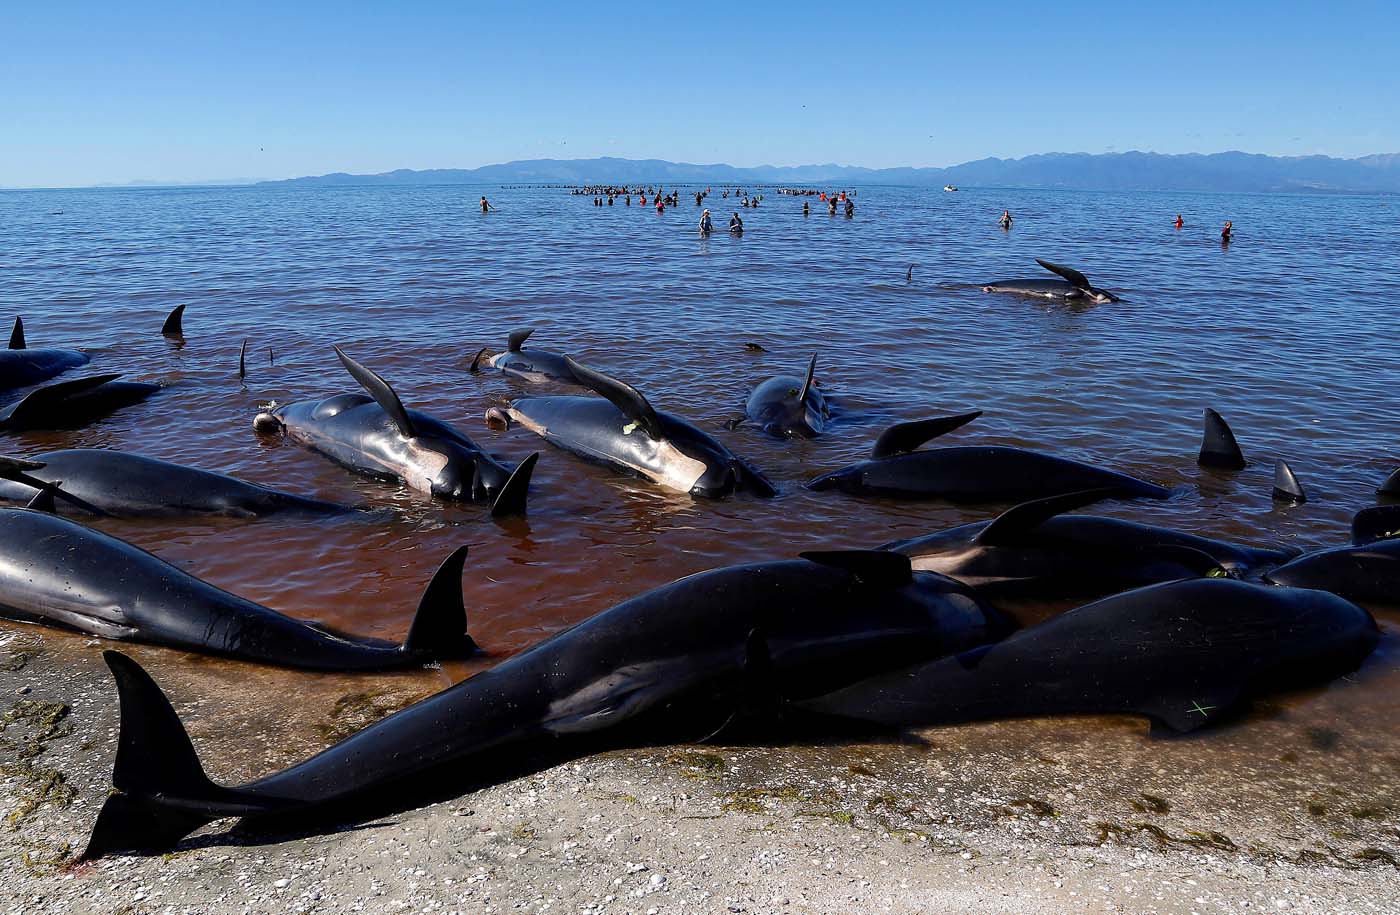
267	423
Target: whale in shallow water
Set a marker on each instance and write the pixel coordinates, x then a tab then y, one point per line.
788	406
1185	654
970	473
101	481
532	365
74	404
677	663
621	429
1036	551
1074	287
21	366
377	436
60	573
1368	574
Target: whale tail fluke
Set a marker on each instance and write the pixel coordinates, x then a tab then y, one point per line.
160	783
439	628
511	499
1218	446
1287	489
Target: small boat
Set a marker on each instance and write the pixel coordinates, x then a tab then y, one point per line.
949	188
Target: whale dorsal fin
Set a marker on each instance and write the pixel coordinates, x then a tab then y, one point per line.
17	335
383	395
511	498
621	395
43	499
878	568
1286	485
811	373
243	360
905	437
174	325
1012	524
476	361
1072	276
517	338
1218	445
51	394
439	628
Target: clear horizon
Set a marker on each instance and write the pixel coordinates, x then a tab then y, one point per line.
169	93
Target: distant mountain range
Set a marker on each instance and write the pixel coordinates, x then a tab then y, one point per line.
1227	171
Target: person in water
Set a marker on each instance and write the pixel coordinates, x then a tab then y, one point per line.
660	205
1227	232
706	226
850	209
831	205
806	209
1179	221
736	225
1005	220
486	207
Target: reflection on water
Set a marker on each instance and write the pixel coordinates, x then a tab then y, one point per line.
1283	332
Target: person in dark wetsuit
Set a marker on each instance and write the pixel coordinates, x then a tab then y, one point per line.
1227	232
736	225
486	207
806	209
850	209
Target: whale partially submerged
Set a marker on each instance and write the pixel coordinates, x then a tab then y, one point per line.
57	572
677	663
1072	287
103	481
621	429
970	473
74	404
533	365
377	436
1184	654
788	406
1035	550
1368	574
21	366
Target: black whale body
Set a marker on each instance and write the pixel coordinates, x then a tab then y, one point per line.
533	365
1185	654
680	661
21	366
971	473
57	572
1368	574
74	404
789	406
101	481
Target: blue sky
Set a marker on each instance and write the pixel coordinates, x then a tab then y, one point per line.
109	92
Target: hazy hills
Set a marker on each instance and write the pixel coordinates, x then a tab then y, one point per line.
1227	171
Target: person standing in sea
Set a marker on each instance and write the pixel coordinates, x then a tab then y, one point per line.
1227	232
486	207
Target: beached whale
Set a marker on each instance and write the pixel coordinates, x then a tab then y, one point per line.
1379	522
788	406
21	366
678	663
101	481
74	404
533	365
1035	550
1075	287
970	473
57	572
621	429
1368	574
378	437
1185	654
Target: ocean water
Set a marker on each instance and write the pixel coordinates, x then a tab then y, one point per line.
1287	332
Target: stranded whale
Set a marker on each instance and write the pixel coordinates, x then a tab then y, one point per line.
528	364
1074	287
790	406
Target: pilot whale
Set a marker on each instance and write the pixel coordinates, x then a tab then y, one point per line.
1035	550
788	406
621	429
57	572
1185	654
21	366
102	481
677	663
74	404
1368	574
970	473
1074	287
533	365
378	437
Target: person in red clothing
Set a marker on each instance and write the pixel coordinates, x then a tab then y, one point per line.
1179	221
660	205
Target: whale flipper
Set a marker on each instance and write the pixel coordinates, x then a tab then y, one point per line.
621	395
1190	710
383	395
43	499
904	437
811	373
1071	276
511	499
1286	485
17	335
517	338
1011	525
873	567
439	628
1218	446
174	325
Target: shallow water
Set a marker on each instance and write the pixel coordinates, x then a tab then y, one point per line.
1284	332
